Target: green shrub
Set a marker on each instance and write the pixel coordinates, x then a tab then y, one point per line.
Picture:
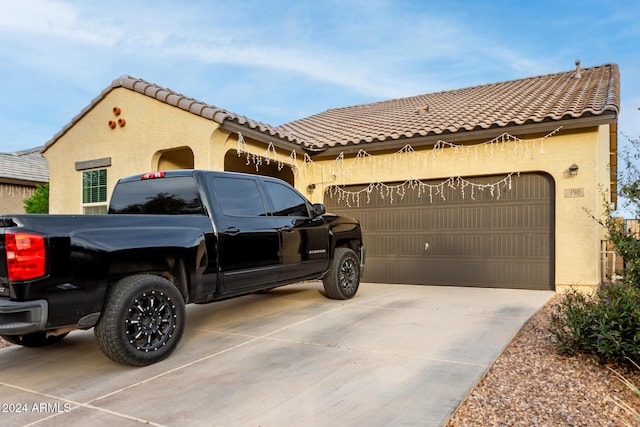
38	203
605	324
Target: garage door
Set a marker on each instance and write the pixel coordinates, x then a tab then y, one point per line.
459	240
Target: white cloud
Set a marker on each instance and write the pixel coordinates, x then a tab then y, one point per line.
44	20
237	40
370	48
290	56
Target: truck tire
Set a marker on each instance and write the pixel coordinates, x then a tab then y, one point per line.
344	275
142	320
34	339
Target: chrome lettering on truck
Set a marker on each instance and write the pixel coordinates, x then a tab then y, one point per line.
317	251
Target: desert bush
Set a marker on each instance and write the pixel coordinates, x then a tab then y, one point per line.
605	324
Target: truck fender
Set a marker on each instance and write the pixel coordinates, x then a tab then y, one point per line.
93	250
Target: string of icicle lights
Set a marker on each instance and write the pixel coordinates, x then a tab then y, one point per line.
341	170
398	191
15	191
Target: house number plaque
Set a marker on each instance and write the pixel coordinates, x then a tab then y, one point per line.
574	192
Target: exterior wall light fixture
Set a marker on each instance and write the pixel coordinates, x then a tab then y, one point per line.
312	186
573	170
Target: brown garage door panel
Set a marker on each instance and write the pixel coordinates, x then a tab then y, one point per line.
456	272
521	275
485	241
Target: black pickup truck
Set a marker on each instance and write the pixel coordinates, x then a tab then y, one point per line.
170	238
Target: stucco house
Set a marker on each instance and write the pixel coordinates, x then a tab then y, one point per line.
481	186
20	173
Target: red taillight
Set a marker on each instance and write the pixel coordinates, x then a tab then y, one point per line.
25	256
152	175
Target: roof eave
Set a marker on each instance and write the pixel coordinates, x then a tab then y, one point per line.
608	117
23	182
265	138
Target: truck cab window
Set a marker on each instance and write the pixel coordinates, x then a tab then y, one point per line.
239	197
168	196
286	202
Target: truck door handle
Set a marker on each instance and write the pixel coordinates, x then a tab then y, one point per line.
426	247
232	231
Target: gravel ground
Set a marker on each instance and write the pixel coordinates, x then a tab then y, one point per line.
531	385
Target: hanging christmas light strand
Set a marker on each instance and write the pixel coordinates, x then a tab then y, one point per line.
425	159
407	152
392	192
406	158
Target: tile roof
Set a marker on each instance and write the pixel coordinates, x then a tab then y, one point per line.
26	165
207	111
537	99
211	112
550	97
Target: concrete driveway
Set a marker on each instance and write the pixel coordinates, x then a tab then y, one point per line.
393	355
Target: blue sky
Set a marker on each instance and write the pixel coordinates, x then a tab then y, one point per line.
277	61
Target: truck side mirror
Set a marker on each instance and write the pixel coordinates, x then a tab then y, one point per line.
319	209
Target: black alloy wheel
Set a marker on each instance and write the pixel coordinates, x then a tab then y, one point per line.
142	321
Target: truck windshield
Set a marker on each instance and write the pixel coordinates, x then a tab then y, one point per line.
168	196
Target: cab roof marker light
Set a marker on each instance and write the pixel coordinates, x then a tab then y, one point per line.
152	175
